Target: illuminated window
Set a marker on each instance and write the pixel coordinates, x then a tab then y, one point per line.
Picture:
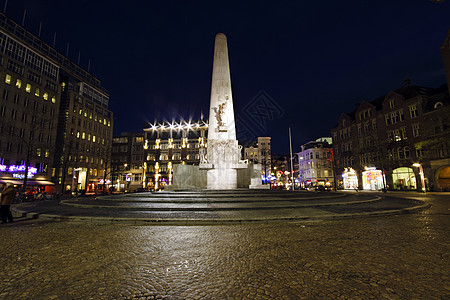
85	113
19	83
89	136
8	79
78	134
109	123
28	88
80	112
90	116
38	152
83	136
45	96
53	99
47	153
37	93
93	138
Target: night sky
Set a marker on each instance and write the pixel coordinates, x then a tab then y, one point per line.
309	60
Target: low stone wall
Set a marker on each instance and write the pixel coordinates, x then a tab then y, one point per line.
187	177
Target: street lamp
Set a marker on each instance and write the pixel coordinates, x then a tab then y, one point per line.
422	177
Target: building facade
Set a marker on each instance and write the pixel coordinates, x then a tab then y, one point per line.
55	118
315	167
387	142
259	152
170	143
127	162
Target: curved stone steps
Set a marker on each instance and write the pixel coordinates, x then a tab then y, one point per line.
207	206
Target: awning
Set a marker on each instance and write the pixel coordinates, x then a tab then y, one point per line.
29	182
15	182
39	182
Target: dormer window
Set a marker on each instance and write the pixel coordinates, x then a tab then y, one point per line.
438	104
392	103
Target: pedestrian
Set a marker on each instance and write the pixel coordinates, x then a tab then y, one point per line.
7	198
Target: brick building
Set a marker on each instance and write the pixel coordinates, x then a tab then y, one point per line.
386	141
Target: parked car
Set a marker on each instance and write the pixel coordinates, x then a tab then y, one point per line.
322	188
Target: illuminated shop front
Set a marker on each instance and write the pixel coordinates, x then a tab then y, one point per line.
18	171
372	179
350	179
404	178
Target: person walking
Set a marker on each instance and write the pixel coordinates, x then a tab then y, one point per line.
7	198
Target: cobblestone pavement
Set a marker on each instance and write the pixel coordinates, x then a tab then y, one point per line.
390	257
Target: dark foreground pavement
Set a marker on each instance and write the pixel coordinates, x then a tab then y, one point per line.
388	257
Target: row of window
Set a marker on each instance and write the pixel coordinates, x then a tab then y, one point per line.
88	136
26	56
366	127
317	155
176	156
37	92
88	125
400	133
24	116
96	118
312	164
86	159
316	174
19	148
21	133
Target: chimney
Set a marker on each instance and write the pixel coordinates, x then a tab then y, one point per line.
407	82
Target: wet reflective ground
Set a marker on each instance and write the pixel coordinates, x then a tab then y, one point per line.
390	257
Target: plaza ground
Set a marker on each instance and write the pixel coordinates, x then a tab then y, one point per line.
389	257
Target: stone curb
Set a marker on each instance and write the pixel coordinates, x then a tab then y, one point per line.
65	202
198	222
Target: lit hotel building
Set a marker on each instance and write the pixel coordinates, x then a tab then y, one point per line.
170	143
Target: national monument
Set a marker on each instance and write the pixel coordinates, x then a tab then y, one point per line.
221	167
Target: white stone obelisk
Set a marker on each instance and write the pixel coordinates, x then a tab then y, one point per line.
223	153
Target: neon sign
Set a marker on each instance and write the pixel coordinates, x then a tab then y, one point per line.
16	170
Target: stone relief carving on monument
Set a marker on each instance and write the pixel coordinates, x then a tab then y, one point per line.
203	157
219	110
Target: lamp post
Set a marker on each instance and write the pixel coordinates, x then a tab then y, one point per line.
422	177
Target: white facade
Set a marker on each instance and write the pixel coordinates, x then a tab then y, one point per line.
315	163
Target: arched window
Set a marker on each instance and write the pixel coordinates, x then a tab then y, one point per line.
400	153
406	152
